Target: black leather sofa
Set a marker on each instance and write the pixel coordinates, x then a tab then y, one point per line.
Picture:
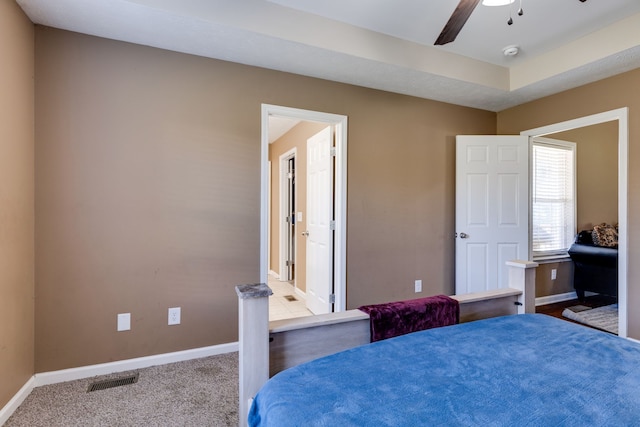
595	267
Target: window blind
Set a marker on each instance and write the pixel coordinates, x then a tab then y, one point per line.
553	199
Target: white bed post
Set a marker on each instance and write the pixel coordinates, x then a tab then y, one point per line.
253	337
522	276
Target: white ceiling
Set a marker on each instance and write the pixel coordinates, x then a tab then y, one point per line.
278	126
382	44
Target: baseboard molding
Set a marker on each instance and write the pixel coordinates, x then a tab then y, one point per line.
16	401
72	374
274	274
301	293
551	299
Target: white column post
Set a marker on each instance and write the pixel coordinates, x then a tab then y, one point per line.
253	337
522	275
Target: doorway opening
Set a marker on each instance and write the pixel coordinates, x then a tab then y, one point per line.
621	117
289	181
287	216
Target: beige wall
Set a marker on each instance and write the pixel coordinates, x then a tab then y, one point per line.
147	173
597	173
147	166
401	185
563	283
16	200
295	138
608	94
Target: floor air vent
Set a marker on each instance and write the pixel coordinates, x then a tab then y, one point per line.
116	382
290	298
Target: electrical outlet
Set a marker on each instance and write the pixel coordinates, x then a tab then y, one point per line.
554	274
174	316
124	322
418	286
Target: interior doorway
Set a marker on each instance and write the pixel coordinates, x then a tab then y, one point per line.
291	200
287	217
621	117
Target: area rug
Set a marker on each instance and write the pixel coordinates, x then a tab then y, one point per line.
605	318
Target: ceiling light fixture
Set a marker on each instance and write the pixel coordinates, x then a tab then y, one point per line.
461	13
497	2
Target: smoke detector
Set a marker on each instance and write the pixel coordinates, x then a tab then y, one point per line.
511	50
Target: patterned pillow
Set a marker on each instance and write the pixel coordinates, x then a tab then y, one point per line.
605	235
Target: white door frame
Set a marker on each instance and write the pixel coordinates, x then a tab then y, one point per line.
622	116
284	188
340	249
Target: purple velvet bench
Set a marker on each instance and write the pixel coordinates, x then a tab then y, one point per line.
402	317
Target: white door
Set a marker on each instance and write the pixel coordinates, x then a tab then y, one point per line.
492	209
319	219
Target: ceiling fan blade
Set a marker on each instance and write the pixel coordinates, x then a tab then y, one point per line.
456	21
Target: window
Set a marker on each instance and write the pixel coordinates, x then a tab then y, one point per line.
553	190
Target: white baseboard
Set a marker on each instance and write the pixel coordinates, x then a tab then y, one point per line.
274	274
560	297
16	401
131	364
53	377
551	299
301	293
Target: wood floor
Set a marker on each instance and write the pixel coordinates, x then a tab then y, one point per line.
556	309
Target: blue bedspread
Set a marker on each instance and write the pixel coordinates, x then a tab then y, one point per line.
524	370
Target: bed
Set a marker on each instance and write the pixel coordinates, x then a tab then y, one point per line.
527	369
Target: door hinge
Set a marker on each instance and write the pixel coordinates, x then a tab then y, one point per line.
332	298
333	151
290	175
332	225
289	263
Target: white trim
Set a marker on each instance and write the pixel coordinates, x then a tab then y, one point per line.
274	274
302	294
552	259
552	299
16	400
340	254
72	374
269	216
622	116
340	271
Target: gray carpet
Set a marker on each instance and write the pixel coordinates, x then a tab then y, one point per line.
605	318
200	392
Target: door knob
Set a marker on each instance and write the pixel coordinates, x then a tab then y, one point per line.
464	236
305	233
